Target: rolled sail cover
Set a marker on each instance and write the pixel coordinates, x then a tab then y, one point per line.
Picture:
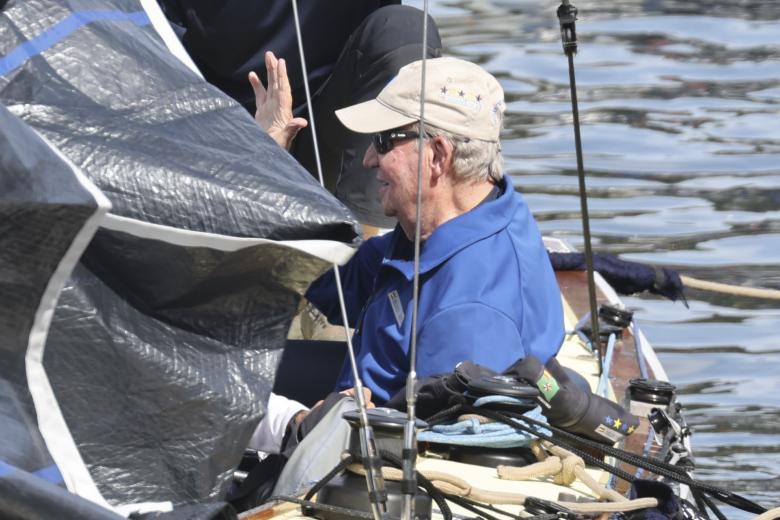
167	330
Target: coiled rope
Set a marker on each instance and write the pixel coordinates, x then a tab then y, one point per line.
564	466
450	484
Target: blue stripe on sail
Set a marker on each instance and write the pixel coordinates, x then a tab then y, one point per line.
50	474
62	30
5	469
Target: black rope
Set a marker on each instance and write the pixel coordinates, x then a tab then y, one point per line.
469	506
489	507
308	505
659	467
698	497
346	461
651	463
566	440
479	507
713	507
490	414
444	415
436	495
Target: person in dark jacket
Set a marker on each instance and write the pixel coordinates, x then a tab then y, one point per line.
352	49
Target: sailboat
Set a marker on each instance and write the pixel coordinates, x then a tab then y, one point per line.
157	244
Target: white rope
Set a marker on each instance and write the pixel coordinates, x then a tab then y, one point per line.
453	485
772	514
753	292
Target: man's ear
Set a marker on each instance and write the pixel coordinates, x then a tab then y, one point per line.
441	161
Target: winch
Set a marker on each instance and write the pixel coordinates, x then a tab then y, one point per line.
645	394
348	490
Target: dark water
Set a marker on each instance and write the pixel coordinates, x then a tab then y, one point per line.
680	104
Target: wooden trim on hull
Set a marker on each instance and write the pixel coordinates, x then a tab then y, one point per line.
625	364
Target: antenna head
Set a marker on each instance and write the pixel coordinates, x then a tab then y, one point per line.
567	15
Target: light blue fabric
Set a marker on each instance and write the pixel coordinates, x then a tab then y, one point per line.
489	435
488	294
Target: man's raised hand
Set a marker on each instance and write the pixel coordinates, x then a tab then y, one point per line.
274	104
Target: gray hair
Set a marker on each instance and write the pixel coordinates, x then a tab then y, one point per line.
472	159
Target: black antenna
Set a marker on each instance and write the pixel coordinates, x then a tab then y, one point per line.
567	14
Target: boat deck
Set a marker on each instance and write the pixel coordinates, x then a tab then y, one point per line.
574	354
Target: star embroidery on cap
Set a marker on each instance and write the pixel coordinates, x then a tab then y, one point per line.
617	424
495	114
630	430
454	96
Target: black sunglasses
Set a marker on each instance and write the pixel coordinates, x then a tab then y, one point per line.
384	141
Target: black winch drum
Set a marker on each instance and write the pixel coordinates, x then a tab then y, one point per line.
349	490
614	316
646	394
388	426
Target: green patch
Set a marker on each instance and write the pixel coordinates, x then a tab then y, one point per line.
548	386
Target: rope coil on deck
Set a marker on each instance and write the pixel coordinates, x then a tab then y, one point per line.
563	465
452	485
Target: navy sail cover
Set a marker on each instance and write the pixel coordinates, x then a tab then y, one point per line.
154	246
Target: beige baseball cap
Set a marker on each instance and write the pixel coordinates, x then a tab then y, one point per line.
460	97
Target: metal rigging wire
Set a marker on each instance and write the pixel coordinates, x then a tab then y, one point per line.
409	458
368	450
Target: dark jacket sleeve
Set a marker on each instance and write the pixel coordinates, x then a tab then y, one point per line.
228	38
357	281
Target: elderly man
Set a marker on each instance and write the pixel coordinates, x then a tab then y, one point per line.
487	291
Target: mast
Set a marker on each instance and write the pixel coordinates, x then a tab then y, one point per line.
567	14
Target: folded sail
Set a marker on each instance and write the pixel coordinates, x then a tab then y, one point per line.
172	313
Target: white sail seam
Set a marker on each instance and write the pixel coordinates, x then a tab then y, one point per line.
169	38
51	423
329	250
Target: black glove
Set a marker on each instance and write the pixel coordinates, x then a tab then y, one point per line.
439	392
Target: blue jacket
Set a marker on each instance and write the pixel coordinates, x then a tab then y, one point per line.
487	293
